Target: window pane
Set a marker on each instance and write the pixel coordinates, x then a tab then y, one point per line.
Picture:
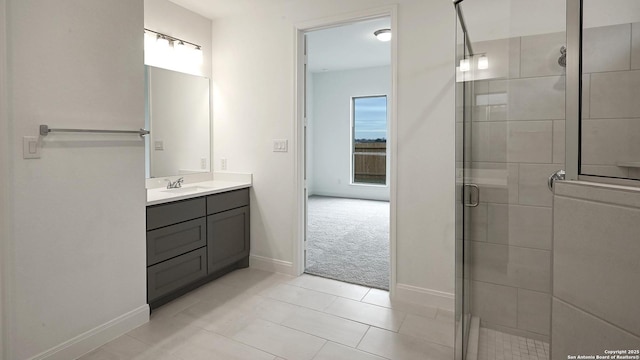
370	140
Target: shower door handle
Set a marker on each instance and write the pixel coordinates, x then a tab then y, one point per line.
558	175
471	202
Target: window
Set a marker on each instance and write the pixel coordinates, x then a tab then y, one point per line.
369	134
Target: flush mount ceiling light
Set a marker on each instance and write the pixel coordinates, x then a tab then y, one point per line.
383	34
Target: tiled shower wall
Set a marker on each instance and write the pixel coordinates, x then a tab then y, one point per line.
596	270
516	145
611	121
518	141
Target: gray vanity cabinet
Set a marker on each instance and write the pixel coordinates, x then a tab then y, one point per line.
227	228
191	242
176	273
174	240
227	237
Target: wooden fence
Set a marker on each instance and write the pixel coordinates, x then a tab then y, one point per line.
370	162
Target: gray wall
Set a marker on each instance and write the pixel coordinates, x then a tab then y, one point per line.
596	271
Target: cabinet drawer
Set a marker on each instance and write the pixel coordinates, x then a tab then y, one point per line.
174	240
175	212
228	200
227	238
173	274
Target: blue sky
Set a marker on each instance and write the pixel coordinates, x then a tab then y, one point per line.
370	117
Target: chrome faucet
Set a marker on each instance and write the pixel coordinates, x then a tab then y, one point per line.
174	185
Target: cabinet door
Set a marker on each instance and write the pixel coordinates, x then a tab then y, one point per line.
173	274
227	238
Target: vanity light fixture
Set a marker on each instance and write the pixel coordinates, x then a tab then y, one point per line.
162	42
383	34
197	55
180	47
185	50
464	65
483	62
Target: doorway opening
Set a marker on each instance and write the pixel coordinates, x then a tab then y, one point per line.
347	159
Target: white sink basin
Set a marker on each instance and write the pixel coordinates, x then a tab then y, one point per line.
188	189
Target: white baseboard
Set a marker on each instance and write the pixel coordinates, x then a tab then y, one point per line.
96	337
429	297
273	265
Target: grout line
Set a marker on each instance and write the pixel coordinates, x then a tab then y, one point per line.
323	338
230	338
513	287
364	296
631	47
363	336
516	204
327	293
319	350
330	304
503	244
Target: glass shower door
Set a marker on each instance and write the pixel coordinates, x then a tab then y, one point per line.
467	195
510	102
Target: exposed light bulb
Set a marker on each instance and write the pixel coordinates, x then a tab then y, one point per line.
162	43
181	50
149	41
197	55
483	62
464	65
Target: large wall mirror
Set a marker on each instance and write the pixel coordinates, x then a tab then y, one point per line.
178	116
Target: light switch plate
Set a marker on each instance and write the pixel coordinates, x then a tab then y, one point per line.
280	145
30	147
158	145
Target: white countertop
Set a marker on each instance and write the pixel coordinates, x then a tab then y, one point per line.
162	195
220	183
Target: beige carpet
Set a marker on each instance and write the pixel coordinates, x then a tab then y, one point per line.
348	240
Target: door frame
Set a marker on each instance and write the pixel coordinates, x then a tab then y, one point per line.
300	30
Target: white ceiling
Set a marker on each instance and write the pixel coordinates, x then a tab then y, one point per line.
345	47
348	47
215	9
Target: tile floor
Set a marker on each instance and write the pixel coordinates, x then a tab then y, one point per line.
254	315
496	345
